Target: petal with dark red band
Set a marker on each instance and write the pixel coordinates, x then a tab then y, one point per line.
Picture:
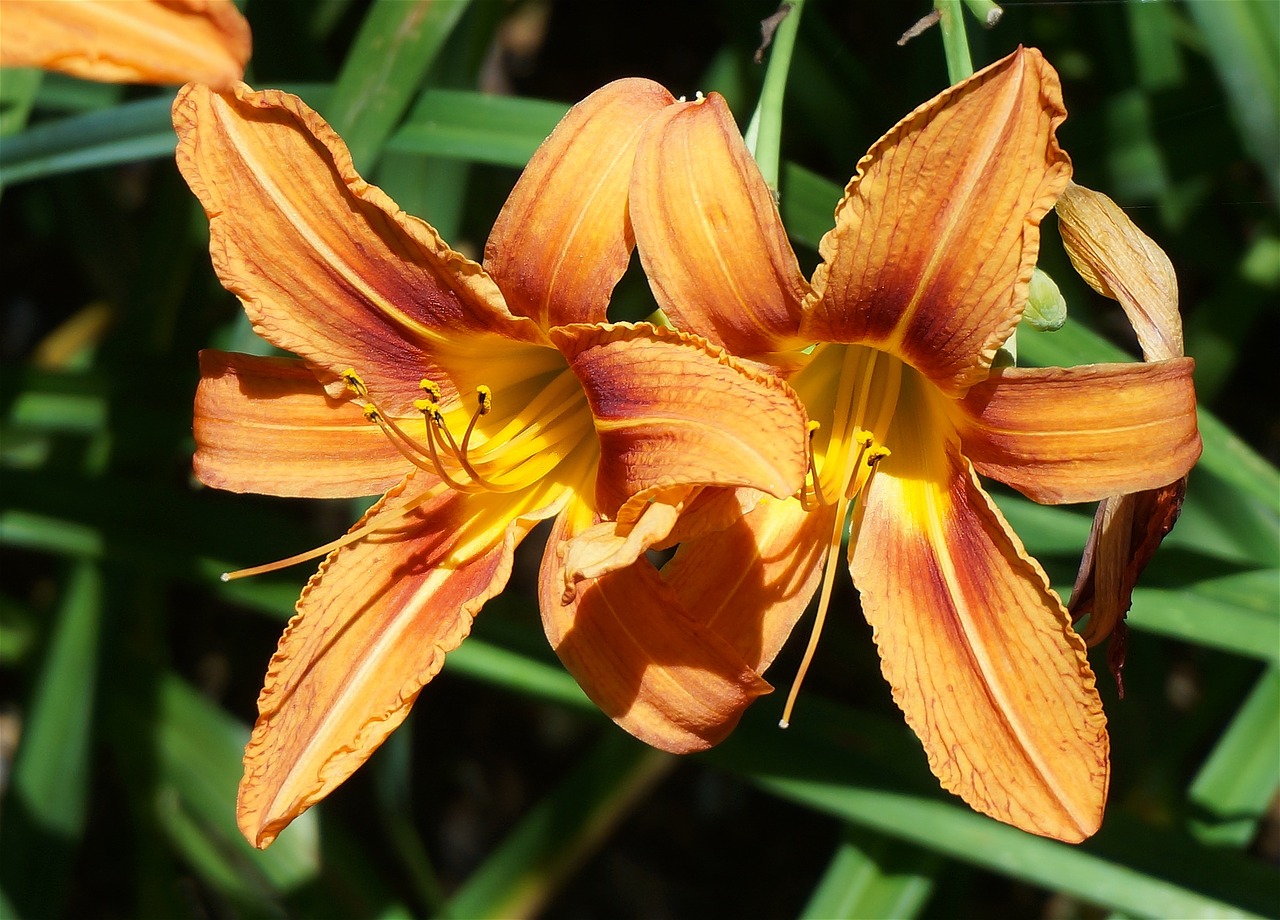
979	653
672	410
937	234
327	266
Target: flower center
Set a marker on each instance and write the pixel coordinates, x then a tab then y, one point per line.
498	451
866	384
512	455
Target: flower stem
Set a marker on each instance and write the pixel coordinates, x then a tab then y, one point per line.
764	134
955	43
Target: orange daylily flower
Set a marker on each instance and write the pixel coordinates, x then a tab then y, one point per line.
1121	262
923	278
481	399
140	41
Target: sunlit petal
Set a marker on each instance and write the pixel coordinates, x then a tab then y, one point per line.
639	656
562	241
326	265
1121	262
1082	433
373	627
266	425
144	41
671	410
978	651
937	234
709	233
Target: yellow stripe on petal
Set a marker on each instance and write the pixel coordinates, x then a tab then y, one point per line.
326	265
143	41
373	627
937	234
979	653
709	234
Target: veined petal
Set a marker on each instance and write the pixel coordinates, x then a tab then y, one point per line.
563	239
709	234
326	265
266	425
980	654
146	41
639	656
1082	433
373	627
1121	262
937	234
671	410
750	582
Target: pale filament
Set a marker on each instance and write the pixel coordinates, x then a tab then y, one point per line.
854	461
547	444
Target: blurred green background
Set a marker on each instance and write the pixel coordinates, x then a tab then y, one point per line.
129	673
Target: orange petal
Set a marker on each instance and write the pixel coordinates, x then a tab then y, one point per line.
145	41
1082	433
978	651
1121	262
709	233
937	234
750	583
639	656
266	425
326	265
373	627
563	240
671	410
612	545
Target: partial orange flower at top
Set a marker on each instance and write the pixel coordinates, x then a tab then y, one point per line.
128	41
891	348
480	399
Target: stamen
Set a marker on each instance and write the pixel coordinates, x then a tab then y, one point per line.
347	539
807	501
824	601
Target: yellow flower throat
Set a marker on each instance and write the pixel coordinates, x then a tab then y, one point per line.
865	384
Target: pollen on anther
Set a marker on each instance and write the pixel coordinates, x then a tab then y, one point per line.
485	397
431	388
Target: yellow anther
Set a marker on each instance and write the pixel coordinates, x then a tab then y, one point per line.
813	426
354	383
432	389
371	412
876	454
485	397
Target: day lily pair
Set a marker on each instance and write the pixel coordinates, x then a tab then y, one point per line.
891	347
140	41
480	398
